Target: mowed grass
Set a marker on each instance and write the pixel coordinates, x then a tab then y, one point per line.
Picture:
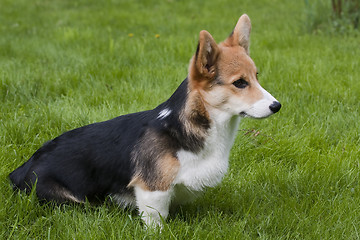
295	175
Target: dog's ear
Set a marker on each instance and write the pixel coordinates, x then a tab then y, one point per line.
241	34
206	55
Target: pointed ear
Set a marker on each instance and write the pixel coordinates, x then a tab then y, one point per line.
206	55
241	33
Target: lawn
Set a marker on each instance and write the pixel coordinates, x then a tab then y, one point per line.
295	175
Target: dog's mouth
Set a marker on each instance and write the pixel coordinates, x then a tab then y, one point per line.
243	114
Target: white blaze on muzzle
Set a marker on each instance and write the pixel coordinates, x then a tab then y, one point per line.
264	107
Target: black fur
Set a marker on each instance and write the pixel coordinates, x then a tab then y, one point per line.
94	161
197	51
232	33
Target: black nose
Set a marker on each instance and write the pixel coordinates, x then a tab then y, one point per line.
275	107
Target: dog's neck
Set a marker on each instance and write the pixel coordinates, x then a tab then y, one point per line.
219	124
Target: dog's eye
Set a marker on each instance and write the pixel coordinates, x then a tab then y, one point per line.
241	83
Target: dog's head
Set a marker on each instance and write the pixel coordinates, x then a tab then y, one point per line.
226	76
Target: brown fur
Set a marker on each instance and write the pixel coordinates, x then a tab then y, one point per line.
234	64
155	170
195	118
167	167
220	65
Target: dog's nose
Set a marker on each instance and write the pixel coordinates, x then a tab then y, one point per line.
275	107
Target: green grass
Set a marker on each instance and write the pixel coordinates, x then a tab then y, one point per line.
64	64
324	19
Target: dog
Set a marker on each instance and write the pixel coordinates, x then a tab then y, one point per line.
151	159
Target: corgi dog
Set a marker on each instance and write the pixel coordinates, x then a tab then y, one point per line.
151	159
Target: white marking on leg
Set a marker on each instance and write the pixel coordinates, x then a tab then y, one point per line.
153	205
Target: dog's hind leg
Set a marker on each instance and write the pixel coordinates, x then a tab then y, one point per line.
50	190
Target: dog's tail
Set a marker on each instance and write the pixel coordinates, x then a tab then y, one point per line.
19	175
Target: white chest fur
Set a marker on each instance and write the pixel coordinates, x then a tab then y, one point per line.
207	167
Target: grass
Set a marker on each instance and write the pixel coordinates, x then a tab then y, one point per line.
325	18
64	64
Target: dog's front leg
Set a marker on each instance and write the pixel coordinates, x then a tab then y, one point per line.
153	206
